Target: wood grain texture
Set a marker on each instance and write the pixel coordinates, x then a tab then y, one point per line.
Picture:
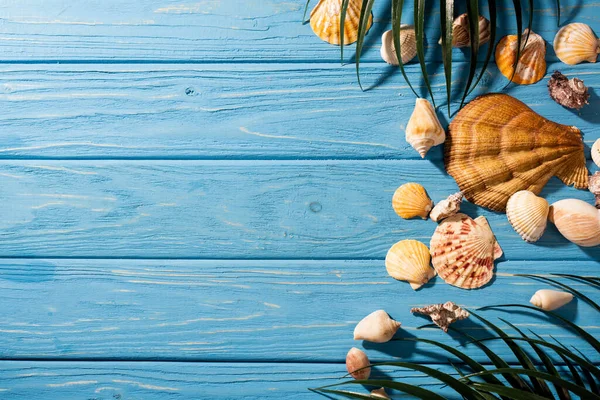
211	30
234	210
275	111
159	380
258	310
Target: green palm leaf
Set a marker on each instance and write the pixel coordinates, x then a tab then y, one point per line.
511	393
587	279
490	51
557	12
473	17
343	11
419	35
388	384
564	286
397	6
363	23
447	19
305	11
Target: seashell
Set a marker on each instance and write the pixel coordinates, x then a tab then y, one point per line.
408	260
596	152
463	251
424	130
497	146
410	200
408	45
325	20
446	208
595	187
575	43
532	64
460	31
528	215
442	314
571	93
577	221
379	393
550	299
357	364
376	327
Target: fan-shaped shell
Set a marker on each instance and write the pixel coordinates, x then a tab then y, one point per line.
325	20
575	43
424	130
577	221
528	215
532	64
463	251
408	46
461	37
496	146
408	260
411	200
596	152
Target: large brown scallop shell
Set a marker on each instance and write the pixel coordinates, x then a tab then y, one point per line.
463	251
496	146
325	20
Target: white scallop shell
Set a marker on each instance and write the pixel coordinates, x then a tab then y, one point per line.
596	152
528	215
408	45
575	43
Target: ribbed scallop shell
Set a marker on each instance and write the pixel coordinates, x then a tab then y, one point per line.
596	152
496	146
575	43
461	37
424	130
325	20
463	251
411	200
577	221
408	46
528	215
408	260
532	64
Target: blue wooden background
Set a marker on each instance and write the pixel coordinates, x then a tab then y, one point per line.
196	199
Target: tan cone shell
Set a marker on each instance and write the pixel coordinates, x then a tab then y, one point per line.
325	21
424	130
575	43
411	200
408	260
532	64
528	215
496	146
463	251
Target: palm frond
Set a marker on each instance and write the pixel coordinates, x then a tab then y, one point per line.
343	11
363	24
420	37
473	17
564	286
586	279
557	12
305	11
413	390
397	6
490	50
447	20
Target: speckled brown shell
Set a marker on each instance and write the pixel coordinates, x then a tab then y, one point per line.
325	20
463	251
496	146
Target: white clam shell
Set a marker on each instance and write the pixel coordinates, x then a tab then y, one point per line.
408	45
356	361
408	260
424	130
596	152
577	221
528	215
550	299
376	327
575	43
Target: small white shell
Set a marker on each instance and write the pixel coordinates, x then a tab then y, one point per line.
376	327
446	208
356	361
577	221
550	299
408	45
380	393
575	43
424	130
528	215
596	152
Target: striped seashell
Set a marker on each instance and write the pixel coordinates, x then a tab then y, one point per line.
532	63
408	260
411	200
528	215
575	43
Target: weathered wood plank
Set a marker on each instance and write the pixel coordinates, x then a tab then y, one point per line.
227	30
160	380
259	310
275	111
233	209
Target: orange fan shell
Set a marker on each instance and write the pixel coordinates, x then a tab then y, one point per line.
532	64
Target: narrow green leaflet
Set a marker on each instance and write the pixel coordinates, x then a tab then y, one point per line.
447	19
490	50
413	390
305	11
519	18
557	12
587	279
583	392
363	24
564	286
511	393
343	11
473	18
419	35
397	6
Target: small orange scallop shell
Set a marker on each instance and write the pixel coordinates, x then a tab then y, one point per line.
575	43
463	251
325	20
411	200
532	64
